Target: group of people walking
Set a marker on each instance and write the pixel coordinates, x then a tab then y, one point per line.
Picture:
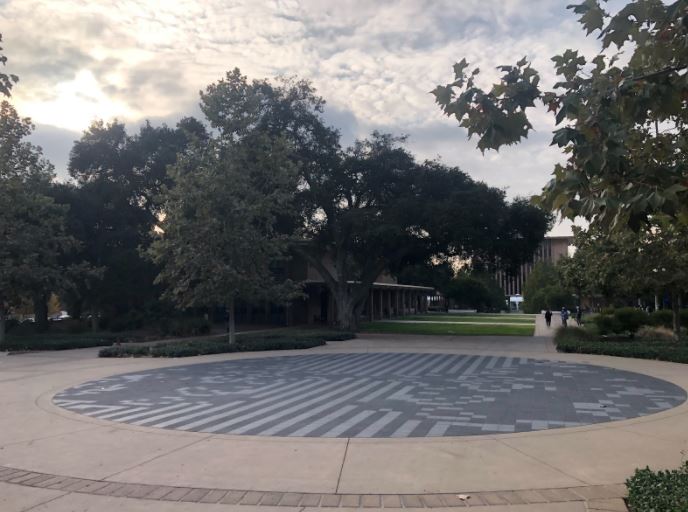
564	316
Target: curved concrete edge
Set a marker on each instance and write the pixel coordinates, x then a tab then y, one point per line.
674	373
293	499
553	448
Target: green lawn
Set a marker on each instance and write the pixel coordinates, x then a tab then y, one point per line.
521	319
449	329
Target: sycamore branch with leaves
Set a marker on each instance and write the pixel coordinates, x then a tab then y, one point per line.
622	127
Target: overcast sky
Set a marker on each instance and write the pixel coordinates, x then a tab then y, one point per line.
373	61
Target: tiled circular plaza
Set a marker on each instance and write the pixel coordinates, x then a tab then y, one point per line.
373	395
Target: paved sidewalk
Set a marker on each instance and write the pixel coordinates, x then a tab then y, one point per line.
55	460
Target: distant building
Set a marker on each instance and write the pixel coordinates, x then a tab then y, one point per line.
387	298
551	250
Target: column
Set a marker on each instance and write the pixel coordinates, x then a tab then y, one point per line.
380	294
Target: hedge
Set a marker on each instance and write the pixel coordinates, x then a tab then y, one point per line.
655	491
244	343
580	341
58	342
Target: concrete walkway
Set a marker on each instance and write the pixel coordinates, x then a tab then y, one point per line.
55	460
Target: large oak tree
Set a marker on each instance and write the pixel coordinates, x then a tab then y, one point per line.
371	207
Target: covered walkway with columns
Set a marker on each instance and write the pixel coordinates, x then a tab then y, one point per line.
391	300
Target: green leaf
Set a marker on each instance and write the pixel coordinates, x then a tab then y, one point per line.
459	68
592	15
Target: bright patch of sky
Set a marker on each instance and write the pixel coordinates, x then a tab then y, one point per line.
374	63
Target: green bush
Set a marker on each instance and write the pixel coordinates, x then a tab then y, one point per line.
11	323
193	326
580	341
655	491
221	346
572	334
665	318
52	341
250	342
630	319
125	351
74	326
129	322
662	318
607	311
606	324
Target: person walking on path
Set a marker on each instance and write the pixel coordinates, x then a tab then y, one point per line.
548	317
564	316
579	316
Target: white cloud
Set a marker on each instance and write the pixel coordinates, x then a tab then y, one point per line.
374	62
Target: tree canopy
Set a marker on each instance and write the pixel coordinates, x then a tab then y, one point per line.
621	116
32	226
219	240
114	207
7	81
371	207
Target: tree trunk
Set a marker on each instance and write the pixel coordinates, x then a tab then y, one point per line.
40	312
656	301
231	327
3	316
676	314
94	320
346	310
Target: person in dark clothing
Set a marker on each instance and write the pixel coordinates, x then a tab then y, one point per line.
579	316
548	317
564	316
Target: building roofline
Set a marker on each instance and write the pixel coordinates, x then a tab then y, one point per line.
559	237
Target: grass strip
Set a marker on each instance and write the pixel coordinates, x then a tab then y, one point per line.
449	329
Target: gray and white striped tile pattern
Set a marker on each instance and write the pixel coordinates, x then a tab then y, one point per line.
372	395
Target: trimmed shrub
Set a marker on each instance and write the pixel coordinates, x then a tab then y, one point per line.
125	351
56	342
129	322
606	324
665	318
580	341
221	346
662	318
193	326
654	491
630	319
11	323
275	340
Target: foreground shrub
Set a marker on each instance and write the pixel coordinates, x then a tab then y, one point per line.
662	318
606	324
580	341
130	322
655	491
51	341
125	351
665	318
630	319
278	340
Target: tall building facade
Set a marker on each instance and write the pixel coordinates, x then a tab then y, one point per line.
551	250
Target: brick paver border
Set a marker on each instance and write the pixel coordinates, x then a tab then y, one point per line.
297	499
